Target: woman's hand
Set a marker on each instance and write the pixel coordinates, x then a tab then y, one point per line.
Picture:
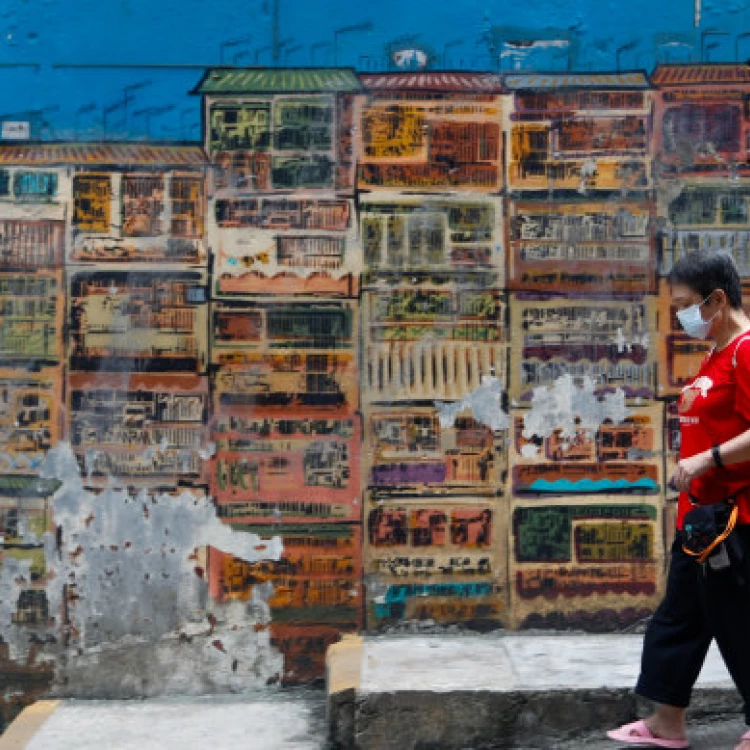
689	469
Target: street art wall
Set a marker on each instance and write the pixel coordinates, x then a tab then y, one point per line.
373	351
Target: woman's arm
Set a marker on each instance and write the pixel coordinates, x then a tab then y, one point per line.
734	451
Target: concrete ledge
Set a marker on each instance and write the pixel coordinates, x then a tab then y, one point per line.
343	679
18	735
499	691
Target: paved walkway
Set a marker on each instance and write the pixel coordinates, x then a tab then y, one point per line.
284	721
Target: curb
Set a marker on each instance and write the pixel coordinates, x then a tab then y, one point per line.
407	714
23	728
482	720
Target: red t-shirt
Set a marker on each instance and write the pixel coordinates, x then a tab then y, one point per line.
714	408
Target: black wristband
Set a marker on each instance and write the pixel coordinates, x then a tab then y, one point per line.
717	456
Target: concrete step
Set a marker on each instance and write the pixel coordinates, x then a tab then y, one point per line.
468	692
283	720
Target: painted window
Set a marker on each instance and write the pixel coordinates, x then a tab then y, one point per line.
734	209
91	197
313	171
186	195
142	205
4	182
241	127
323	253
710	126
303	125
35	185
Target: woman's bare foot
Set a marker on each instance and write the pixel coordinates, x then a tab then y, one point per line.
668	722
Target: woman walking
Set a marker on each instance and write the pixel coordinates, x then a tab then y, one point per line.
708	587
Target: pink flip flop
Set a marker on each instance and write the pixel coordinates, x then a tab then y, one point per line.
638	733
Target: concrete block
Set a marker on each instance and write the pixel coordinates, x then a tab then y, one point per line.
497	691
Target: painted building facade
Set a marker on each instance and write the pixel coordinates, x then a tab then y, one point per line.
284	346
586	494
433	332
401	343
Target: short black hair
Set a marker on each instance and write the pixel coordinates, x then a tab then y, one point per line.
704	271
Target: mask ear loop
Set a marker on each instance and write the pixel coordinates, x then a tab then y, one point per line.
713	317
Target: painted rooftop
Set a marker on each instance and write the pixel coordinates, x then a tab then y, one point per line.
627	80
102	154
278	81
434	81
678	75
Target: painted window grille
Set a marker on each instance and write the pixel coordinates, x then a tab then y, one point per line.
331	215
320	253
303	126
241	127
407	433
319	376
372	241
710	207
396	240
31	244
35	185
242	170
463	142
238	212
716	126
237	327
142	205
426	240
186	194
734	209
309	171
530	151
326	215
91	202
394	132
581	100
310	328
28	339
619	133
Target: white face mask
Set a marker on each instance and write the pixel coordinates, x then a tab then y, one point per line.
692	322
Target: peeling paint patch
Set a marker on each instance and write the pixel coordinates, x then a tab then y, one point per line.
484	402
122	576
570	408
530	451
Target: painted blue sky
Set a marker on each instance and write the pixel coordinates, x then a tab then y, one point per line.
46	34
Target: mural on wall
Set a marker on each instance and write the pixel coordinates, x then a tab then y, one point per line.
368	350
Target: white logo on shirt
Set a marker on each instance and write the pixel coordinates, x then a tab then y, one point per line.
702	384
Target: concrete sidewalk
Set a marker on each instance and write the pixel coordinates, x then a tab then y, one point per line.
289	720
497	691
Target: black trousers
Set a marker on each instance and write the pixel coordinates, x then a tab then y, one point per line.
696	609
